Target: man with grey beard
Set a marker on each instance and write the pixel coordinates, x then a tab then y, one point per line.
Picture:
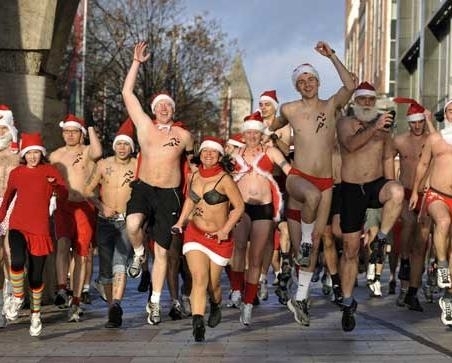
367	182
9	159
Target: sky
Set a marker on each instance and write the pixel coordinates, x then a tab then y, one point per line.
275	36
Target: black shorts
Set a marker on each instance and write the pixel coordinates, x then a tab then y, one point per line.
161	206
336	202
356	198
259	211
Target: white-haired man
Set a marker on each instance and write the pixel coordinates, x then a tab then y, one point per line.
367	172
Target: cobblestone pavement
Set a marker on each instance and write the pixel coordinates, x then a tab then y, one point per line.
384	333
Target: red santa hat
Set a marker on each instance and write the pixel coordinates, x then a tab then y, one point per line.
236	140
212	142
365	89
415	111
31	142
304	68
7	120
73	121
253	122
125	133
162	97
270	96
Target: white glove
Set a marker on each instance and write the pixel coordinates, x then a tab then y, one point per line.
268	132
52	204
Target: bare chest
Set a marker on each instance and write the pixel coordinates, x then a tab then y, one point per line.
118	176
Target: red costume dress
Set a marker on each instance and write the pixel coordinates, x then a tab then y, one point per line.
33	188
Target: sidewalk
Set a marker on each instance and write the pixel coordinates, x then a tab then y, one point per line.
384	333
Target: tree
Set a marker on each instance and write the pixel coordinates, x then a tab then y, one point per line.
188	60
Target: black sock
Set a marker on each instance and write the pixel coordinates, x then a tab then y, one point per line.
412	291
335	279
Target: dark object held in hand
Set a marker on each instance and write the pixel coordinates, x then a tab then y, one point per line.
393	114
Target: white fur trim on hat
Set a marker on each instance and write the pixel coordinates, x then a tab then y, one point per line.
447	104
415	117
125	138
253	125
303	68
269	99
365	92
235	143
210	144
32	147
64	124
162	97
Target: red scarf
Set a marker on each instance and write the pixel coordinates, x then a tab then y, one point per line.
207	173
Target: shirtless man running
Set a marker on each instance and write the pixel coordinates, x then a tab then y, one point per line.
310	182
437	154
113	176
367	170
75	220
156	194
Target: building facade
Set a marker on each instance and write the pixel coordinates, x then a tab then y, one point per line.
403	47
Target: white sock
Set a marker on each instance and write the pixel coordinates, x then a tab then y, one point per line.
306	232
304	280
139	251
263	277
86	287
155	297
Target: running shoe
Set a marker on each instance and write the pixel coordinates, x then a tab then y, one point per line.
300	310
263	290
35	324
13	308
153	310
412	303
214	315
176	312
443	277
348	316
445	304
74	313
114	316
198	328
135	268
246	311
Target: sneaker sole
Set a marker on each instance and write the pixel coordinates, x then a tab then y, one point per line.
295	315
35	334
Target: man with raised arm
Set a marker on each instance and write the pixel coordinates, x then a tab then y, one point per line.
75	219
310	182
156	194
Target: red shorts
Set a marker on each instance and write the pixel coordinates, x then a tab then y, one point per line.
432	195
321	183
76	221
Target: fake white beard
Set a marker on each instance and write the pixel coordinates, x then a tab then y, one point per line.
5	141
365	114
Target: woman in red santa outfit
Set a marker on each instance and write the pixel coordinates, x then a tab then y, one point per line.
263	205
36	185
215	206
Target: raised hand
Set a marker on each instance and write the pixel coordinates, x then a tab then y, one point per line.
324	49
139	53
